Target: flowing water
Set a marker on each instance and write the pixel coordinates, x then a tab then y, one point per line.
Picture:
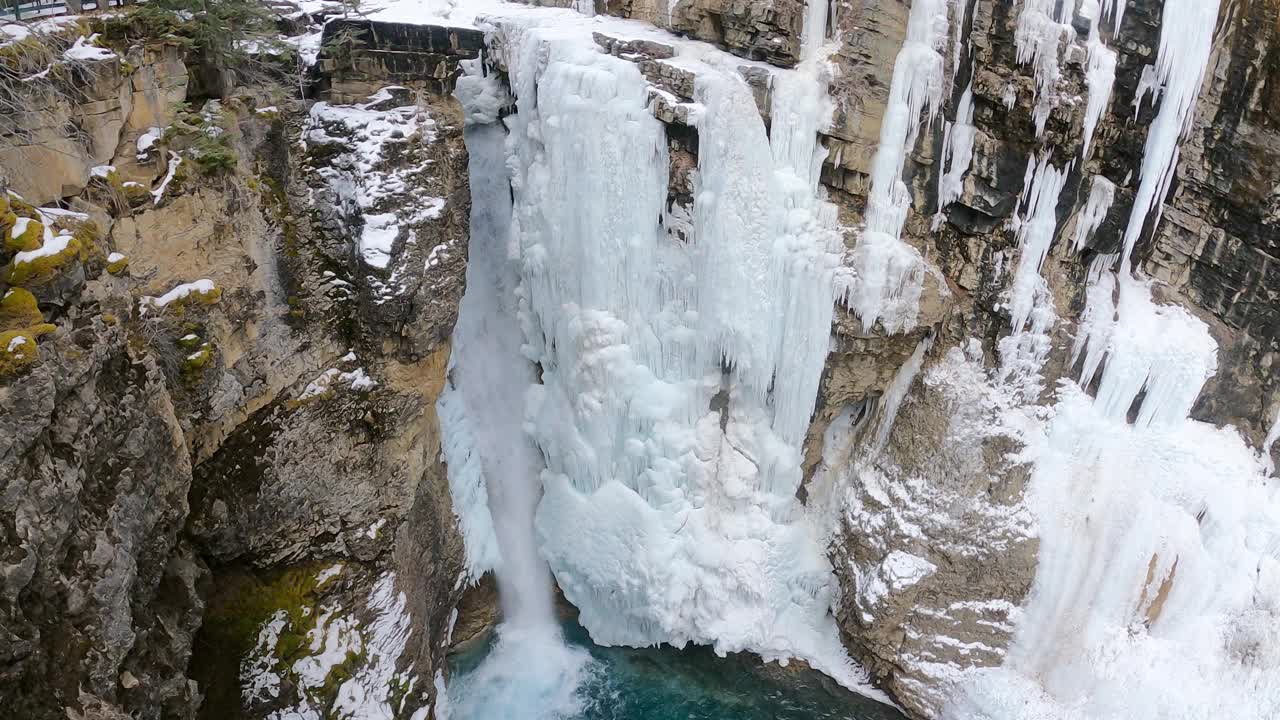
616	683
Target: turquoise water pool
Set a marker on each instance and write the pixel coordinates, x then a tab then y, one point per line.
532	679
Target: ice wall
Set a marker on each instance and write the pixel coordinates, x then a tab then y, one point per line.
677	376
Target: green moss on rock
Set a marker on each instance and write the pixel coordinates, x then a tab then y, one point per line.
19	309
28	239
34	270
18	349
118	265
196	362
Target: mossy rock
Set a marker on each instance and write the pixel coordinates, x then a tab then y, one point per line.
195	363
88	234
190	342
135	194
19	309
41	268
18	349
117	266
30	237
19	206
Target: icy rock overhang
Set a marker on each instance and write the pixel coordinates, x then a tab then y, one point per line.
425	56
671	74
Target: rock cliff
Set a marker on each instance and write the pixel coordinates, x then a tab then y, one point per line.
230	413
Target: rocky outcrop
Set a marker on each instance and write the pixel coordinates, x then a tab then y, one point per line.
96	480
230	392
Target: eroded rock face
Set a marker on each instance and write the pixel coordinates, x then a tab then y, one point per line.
227	381
95	484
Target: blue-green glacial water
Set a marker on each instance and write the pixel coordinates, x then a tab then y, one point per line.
522	677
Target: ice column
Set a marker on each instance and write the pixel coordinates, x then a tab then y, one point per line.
1186	40
887	272
957	154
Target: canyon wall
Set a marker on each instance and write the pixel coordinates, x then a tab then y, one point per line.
228	422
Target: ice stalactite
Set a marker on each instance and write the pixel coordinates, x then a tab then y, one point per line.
1102	192
1272	436
888	273
1043	25
1100	72
893	396
1186	41
1036	225
957	154
1157	593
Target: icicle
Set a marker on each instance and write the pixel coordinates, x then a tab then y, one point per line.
1099	318
957	154
897	391
1100	75
1101	194
1186	40
1272	435
889	273
1036	228
1042	27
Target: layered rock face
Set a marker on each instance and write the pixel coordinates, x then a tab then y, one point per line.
228	426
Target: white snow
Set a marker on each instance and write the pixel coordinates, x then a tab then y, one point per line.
13	32
379	199
174	161
148	140
16	342
357	379
377	238
328	574
101	171
83	49
259	682
179	292
53	244
19	227
116	257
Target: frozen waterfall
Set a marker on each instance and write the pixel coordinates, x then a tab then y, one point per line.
1157	593
678	372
